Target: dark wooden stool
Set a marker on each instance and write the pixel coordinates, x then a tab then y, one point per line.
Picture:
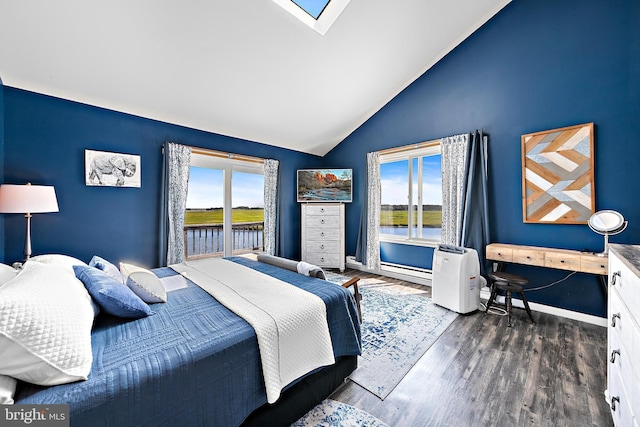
509	283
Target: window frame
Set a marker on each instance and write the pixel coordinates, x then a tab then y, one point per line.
430	148
329	15
228	165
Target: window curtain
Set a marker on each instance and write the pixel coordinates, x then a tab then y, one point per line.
475	224
271	229
373	211
454	164
173	202
368	247
465	212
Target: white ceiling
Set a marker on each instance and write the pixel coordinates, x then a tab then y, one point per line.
243	68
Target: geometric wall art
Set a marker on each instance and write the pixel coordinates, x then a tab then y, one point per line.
557	175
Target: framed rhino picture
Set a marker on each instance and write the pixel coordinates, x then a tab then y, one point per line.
106	169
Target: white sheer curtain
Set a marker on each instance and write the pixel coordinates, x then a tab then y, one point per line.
372	259
270	205
177	161
454	165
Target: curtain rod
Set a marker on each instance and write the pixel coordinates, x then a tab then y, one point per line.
224	155
417	145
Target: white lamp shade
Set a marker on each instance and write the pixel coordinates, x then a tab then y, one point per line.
27	198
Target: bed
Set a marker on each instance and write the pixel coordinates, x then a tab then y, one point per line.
194	362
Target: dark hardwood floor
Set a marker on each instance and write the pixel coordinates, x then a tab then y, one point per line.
482	373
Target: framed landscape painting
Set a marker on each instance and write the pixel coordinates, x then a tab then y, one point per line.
557	175
324	185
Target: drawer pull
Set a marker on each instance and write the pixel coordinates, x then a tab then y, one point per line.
614	277
613	319
322	221
322	259
322	247
561	261
322	210
614	400
613	355
322	234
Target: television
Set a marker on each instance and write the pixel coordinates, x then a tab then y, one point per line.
325	185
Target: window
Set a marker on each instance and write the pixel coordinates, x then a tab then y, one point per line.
312	7
411	195
225	207
317	14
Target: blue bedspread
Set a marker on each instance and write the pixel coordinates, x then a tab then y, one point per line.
193	362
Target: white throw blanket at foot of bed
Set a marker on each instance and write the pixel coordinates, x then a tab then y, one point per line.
290	323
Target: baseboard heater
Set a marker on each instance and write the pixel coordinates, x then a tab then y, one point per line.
418	275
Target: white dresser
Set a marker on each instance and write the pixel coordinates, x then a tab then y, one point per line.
623	371
323	234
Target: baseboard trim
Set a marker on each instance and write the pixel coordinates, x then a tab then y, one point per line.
421	277
485	293
424	278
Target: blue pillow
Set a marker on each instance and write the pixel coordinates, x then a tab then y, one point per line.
113	297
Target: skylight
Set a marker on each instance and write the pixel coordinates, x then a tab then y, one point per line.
312	7
317	14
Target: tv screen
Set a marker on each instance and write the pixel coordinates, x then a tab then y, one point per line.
324	185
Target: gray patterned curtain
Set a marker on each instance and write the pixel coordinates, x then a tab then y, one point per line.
270	206
454	165
175	181
372	260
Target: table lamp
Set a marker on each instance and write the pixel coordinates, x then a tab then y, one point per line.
27	199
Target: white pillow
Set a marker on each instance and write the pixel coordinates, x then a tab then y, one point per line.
7	389
7	273
104	265
143	283
64	261
45	326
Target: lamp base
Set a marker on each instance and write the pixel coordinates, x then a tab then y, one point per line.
27	240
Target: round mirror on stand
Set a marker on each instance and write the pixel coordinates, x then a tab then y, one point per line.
607	223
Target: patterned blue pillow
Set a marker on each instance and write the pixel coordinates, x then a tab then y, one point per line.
112	296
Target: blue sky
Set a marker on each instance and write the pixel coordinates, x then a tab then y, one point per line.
206	189
312	7
394	180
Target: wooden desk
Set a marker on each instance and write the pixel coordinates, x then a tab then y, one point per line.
563	259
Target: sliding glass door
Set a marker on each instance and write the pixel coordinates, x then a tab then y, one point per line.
225	207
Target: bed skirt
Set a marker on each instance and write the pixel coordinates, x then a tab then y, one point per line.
303	396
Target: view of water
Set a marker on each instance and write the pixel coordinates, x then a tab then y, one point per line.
250	239
427	232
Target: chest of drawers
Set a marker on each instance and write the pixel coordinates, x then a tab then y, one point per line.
323	234
623	366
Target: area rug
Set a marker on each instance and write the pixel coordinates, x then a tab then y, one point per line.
330	413
399	325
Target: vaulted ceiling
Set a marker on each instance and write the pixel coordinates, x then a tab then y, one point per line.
242	68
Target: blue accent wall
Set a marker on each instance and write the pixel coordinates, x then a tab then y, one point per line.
45	139
536	65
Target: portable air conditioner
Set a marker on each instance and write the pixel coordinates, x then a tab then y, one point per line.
456	278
